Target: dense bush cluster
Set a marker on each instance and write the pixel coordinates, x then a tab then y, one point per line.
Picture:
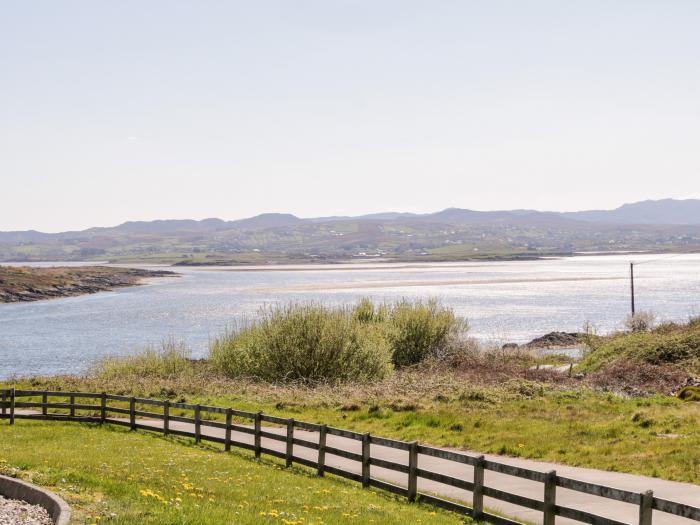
307	343
314	343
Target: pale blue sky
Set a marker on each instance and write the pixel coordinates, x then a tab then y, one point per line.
125	110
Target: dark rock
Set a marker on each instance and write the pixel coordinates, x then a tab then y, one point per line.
555	340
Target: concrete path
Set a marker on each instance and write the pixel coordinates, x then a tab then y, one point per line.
680	492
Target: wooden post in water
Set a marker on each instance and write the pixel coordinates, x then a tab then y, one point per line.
365	459
550	498
646	503
322	450
412	471
478	494
227	438
290	443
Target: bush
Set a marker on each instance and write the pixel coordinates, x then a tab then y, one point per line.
421	330
640	322
312	343
306	343
168	361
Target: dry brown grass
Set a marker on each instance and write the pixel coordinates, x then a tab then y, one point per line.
636	378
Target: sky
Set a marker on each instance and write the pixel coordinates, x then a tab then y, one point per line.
131	110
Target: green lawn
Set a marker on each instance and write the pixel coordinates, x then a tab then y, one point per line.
110	475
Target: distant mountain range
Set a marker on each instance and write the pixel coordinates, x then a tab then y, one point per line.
449	234
666	211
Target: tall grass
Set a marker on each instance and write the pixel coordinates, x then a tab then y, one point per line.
169	360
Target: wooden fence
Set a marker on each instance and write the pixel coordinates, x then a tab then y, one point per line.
130	409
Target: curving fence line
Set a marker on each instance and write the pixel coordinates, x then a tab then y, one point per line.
138	413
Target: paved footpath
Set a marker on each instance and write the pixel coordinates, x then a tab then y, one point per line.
681	492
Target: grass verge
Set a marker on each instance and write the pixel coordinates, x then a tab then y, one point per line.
110	475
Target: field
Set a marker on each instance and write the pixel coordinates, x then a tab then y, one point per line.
111	475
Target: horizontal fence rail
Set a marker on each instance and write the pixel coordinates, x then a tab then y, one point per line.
100	408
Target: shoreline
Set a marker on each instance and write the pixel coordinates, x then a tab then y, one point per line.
22	284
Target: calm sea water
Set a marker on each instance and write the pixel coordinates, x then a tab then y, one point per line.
504	302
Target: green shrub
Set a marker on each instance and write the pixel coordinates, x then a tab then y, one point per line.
312	343
689	393
420	330
307	343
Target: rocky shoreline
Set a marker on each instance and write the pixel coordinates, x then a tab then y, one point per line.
24	284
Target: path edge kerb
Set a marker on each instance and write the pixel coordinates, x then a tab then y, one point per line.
57	508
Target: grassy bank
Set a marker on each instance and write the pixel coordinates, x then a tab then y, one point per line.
653	435
120	477
675	344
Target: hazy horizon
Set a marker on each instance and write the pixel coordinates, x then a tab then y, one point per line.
299	216
129	111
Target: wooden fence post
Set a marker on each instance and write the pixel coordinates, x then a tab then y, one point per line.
72	406
478	494
258	437
227	439
550	497
322	450
44	400
12	406
290	443
132	413
166	417
365	459
412	468
197	423
103	407
646	507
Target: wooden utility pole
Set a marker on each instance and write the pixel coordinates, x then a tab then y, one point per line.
632	285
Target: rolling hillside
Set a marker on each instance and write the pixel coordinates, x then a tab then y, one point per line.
450	234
